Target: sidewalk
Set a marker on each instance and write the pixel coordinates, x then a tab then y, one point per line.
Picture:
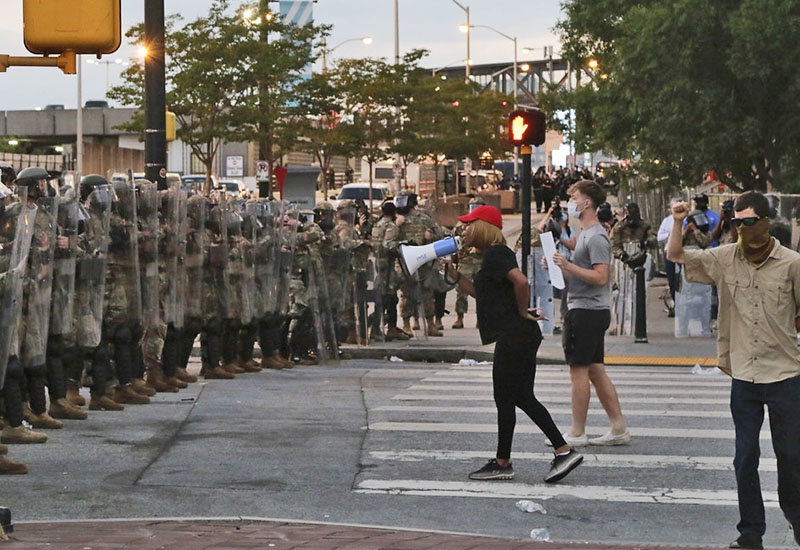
260	533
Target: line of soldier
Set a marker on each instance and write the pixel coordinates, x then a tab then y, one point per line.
109	286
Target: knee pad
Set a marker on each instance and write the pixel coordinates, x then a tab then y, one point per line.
123	335
36	371
55	346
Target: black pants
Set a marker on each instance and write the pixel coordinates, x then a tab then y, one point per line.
513	374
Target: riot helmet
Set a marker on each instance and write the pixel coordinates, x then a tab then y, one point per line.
701	201
405	201
35	179
634	215
7	174
388	209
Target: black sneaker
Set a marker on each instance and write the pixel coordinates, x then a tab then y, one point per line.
493	470
752	541
562	465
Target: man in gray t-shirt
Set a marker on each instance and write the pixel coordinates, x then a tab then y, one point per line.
593	248
588	317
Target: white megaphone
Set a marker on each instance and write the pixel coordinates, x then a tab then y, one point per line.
412	257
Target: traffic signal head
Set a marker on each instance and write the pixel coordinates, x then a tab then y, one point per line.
80	26
527	127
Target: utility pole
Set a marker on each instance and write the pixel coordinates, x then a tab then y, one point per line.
155	110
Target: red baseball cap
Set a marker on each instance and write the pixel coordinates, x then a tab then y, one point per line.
487	213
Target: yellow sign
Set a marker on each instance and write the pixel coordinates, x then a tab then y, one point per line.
80	26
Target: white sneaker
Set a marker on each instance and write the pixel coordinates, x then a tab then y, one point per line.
580	441
612	439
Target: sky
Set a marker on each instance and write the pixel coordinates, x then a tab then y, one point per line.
428	24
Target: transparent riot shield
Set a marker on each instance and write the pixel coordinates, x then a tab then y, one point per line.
39	283
149	225
624	293
262	235
94	238
692	309
173	249
70	216
196	214
125	292
16	233
243	228
231	234
345	267
216	275
319	298
287	240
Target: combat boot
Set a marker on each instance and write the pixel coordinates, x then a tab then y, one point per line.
21	435
126	394
9	468
103	403
352	337
232	368
394	333
438	322
217	373
407	326
175	381
273	362
459	323
183	374
42	421
432	330
73	393
415	326
250	366
156	380
62	408
140	386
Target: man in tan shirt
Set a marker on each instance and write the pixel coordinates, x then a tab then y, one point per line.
759	304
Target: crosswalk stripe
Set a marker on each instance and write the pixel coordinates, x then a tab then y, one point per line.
721	463
553	376
551	388
452	427
494	489
486	395
629	413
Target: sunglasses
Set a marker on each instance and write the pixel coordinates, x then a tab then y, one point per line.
747	222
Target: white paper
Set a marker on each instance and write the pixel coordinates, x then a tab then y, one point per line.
549	247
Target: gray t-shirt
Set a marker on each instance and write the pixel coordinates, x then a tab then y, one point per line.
593	247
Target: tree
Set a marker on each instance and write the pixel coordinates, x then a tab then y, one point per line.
690	86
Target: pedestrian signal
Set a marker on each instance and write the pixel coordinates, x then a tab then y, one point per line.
527	127
80	26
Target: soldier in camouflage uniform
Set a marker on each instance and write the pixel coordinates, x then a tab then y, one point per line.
469	262
122	317
354	254
302	337
214	294
336	263
417	228
386	247
18	239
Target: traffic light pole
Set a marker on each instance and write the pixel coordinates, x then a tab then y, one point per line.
525	207
155	109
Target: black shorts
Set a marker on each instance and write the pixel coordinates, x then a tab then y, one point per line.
583	336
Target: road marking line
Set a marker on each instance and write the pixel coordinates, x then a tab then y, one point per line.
452	427
721	463
494	489
487	396
629	413
622	389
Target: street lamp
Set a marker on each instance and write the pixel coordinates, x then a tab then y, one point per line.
367	40
468	27
108	62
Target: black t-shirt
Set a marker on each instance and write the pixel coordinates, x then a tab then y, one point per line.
495	302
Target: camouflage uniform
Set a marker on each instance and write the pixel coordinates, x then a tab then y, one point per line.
302	336
469	263
386	247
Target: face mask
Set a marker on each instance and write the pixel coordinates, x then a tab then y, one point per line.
755	241
572	209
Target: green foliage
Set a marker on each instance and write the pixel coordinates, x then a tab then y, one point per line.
689	86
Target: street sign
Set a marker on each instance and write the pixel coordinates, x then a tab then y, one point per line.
262	170
234	166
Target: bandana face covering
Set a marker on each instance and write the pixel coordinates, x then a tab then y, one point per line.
755	241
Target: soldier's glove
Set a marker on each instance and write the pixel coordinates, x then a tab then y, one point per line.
636	260
624	257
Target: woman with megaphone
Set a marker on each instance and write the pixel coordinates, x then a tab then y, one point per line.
502	293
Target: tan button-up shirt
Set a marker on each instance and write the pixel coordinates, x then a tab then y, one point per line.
758	305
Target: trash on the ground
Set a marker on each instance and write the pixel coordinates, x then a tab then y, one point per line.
704	371
471	363
530	506
395	359
540	535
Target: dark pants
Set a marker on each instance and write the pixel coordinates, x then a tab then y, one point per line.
513	374
747	407
669	269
